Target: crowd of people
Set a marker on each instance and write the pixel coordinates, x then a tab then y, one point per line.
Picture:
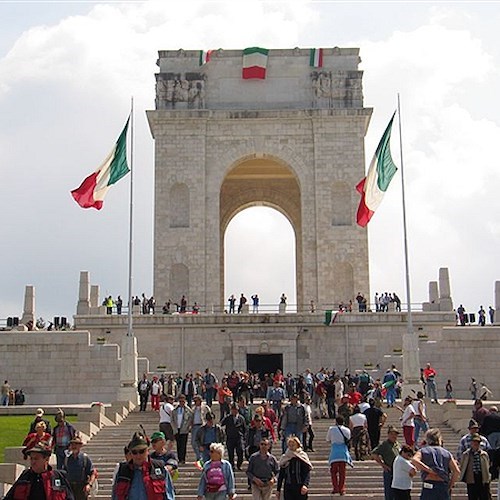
267	424
74	476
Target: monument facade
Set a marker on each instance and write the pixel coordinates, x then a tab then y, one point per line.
293	141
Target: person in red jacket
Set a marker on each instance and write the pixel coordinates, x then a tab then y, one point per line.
40	480
142	477
33	438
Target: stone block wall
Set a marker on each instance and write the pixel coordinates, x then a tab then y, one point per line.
183	343
59	367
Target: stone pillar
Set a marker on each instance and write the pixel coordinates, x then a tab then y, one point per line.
83	306
434	295
29	305
128	370
411	365
94	296
95	305
445	302
497	302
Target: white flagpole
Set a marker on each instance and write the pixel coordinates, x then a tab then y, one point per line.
130	332
411	358
405	234
128	364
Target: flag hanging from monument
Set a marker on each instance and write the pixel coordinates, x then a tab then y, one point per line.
316	58
380	173
205	56
93	189
254	63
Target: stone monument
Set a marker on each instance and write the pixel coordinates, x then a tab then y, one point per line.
293	141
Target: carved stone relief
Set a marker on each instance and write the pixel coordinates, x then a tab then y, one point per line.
180	90
334	89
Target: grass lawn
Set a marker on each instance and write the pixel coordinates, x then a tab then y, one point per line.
13	430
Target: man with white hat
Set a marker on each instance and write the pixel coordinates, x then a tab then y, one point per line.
39	418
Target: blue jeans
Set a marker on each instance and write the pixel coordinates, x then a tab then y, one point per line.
391	395
431	391
388	494
420	425
195	447
439	491
5	400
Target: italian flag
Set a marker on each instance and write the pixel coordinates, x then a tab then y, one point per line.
205	56
380	173
93	189
254	63
316	58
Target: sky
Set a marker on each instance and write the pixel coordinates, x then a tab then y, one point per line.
67	74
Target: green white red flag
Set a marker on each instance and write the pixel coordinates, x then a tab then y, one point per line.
380	173
205	56
93	189
254	63
316	58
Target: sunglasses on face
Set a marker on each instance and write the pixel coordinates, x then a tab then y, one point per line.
138	452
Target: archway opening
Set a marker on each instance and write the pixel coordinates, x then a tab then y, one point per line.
260	258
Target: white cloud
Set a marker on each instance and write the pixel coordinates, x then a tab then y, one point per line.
66	90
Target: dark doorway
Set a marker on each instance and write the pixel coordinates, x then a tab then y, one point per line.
264	363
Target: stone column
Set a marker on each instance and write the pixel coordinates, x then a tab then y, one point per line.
445	302
128	370
497	302
95	305
29	305
434	295
83	306
94	296
411	365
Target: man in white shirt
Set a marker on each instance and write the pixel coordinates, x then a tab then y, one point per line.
166	410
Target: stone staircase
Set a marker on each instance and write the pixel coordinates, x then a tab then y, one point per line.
364	481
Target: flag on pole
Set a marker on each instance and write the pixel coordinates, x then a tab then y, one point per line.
380	173
254	63
316	58
205	56
93	189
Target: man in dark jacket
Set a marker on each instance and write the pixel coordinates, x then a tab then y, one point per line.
40	480
236	429
143	388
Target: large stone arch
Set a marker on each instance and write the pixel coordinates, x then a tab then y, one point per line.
316	142
266	181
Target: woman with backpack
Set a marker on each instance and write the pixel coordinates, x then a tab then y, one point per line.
217	478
